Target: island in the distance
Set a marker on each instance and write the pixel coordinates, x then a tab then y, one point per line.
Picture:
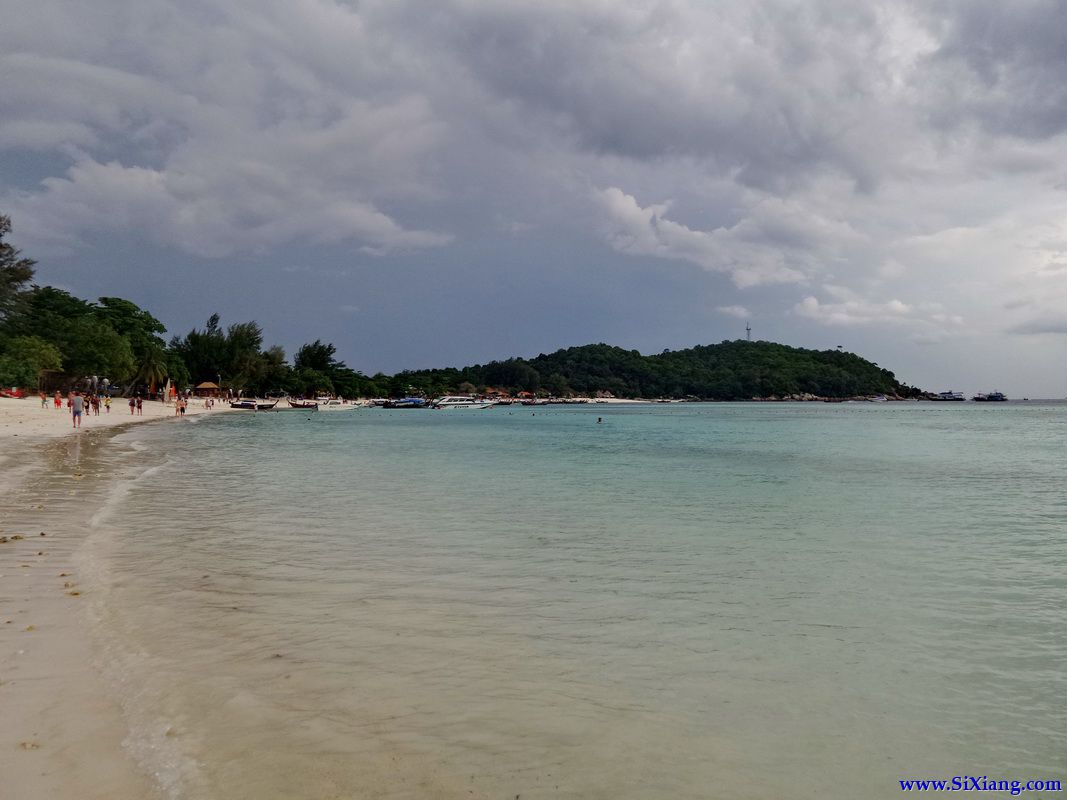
731	370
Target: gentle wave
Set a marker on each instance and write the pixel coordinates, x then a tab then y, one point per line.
737	600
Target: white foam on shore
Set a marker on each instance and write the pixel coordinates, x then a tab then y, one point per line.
149	741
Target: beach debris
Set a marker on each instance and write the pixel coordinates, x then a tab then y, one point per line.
64	574
43	533
3	540
17	536
40	552
30	745
74	593
29	629
68	584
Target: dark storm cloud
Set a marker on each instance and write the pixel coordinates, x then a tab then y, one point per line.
1003	64
748	89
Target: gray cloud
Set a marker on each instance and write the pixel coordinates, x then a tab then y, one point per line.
1002	64
1044	324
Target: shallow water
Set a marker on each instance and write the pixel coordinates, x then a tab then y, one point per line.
743	600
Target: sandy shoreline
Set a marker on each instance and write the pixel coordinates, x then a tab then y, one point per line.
63	728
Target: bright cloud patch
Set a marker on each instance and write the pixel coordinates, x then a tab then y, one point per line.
739	312
647	231
845	308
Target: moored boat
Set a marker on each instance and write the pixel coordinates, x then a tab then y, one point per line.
990	397
460	401
306	405
949	396
252	404
335	404
406	402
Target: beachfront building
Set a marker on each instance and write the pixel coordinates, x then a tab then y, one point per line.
208	389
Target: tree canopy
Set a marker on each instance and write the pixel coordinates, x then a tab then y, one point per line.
731	370
15	272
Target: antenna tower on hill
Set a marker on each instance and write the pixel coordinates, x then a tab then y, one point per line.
748	332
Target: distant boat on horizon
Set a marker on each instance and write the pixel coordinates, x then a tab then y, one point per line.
990	397
949	396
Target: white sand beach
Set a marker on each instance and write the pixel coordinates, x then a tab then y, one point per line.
63	729
26	418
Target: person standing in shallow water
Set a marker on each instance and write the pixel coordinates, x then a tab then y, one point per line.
77	406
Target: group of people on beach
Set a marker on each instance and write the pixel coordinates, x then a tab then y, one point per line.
81	404
78	404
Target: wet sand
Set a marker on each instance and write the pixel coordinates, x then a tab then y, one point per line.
63	728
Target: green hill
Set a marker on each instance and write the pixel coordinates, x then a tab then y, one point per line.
732	370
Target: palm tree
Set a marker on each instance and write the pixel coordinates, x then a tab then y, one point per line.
153	367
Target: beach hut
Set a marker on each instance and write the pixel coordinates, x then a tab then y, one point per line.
207	389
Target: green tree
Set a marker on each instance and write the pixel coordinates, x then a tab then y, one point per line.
317	356
88	344
204	352
23	358
245	364
154	367
15	272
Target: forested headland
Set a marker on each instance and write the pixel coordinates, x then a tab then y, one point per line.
51	339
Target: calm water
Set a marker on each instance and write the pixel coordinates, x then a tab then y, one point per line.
744	601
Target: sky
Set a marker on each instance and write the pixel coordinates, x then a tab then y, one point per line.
444	183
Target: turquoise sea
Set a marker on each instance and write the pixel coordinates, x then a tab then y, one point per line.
685	601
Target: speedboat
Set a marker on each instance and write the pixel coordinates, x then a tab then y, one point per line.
335	404
406	402
460	401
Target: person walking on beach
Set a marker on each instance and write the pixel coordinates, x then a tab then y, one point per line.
140	413
77	406
107	404
44	400
58	401
133	404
